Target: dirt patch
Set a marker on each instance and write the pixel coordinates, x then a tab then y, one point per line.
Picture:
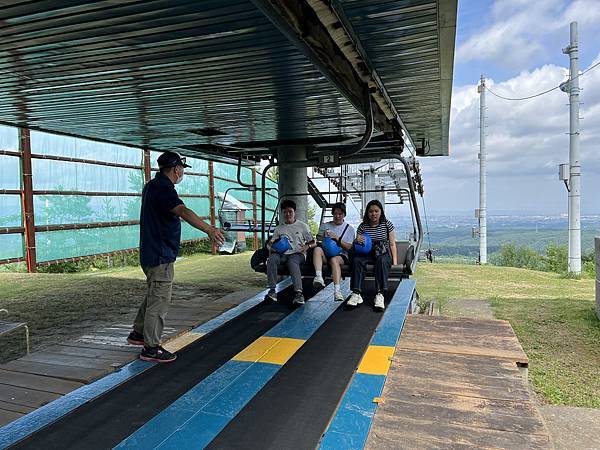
473	309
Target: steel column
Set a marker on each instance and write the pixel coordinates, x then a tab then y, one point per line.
254	215
27	198
147	166
211	195
574	163
482	216
292	180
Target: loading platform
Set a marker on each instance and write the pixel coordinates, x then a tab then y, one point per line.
265	375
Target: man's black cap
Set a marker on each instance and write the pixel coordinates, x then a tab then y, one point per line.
171	159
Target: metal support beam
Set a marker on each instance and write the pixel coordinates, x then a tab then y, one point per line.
254	210
482	215
292	179
211	195
575	165
27	198
147	166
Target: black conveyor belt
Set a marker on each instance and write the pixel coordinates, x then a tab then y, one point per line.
293	410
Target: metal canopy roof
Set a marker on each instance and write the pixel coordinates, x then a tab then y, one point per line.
215	78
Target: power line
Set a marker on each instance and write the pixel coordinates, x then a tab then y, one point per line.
521	98
541	93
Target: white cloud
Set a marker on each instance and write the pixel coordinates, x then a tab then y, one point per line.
583	11
526	141
519	31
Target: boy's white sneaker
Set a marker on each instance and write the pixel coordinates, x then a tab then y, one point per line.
318	281
355	299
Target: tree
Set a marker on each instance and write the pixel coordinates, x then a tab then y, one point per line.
273	173
311	213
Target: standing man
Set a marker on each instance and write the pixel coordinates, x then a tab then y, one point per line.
160	235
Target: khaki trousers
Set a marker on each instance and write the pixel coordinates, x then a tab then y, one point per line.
150	319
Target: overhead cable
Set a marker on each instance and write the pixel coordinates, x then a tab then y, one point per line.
541	93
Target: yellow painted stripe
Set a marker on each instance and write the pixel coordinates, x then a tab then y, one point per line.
376	360
272	350
182	341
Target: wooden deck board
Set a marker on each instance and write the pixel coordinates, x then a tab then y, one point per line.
40	383
21	409
78	374
8	416
129	349
25	397
455	362
70	360
462	338
93	353
432	434
454	383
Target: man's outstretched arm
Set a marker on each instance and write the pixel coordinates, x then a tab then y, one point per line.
194	220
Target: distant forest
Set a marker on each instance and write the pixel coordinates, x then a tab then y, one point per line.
452	236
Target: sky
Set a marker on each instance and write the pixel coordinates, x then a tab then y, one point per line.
517	45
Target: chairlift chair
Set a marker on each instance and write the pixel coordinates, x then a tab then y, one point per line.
406	249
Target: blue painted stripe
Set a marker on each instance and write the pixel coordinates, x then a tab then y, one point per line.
356	411
199	415
162	426
352	421
47	414
202	427
234	312
391	324
305	321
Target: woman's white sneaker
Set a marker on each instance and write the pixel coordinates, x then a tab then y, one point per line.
338	296
355	299
319	282
379	302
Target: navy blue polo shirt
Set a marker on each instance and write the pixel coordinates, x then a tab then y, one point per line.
160	229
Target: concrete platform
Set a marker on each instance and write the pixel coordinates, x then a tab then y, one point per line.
455	383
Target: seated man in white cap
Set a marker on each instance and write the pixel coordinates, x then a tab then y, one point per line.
297	238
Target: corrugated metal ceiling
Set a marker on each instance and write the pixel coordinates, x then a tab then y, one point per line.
172	74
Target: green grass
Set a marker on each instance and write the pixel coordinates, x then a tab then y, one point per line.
552	316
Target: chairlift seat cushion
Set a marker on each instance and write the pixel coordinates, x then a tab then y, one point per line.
404	250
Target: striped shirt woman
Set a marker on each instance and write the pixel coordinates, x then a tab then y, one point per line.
381	232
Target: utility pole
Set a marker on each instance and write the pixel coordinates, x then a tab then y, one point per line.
571	87
482	212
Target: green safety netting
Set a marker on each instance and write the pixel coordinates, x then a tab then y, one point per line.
9	172
56	208
11	246
51	144
53	245
9	138
67	209
10	211
69	176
